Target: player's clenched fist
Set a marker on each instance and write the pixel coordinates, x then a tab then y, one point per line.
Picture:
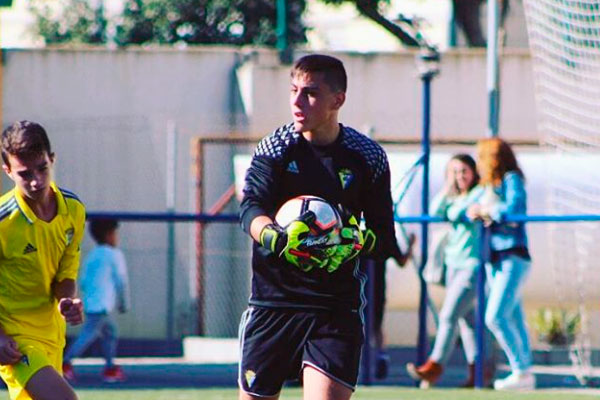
9	354
71	309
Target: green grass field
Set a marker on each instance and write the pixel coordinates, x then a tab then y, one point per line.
363	393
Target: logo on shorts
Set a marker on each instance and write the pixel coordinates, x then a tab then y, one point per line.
25	360
69	235
250	377
29	249
346	177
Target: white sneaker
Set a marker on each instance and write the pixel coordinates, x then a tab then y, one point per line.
516	381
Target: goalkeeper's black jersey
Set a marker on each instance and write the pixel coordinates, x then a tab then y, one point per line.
352	171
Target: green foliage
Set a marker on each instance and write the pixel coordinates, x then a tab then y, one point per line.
556	326
77	23
143	22
234	22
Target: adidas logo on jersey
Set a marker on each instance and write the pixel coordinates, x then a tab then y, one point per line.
29	249
293	167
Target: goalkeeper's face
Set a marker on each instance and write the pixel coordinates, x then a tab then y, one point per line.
313	103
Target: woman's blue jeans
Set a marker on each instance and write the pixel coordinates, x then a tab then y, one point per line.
504	314
96	325
457	315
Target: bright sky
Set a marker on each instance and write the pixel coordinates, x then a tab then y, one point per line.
334	28
343	28
13	23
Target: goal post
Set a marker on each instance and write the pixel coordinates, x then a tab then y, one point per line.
564	37
220	249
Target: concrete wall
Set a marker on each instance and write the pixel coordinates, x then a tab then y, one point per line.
385	95
107	113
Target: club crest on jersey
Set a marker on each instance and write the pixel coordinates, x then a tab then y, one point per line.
250	377
346	177
293	167
25	360
69	235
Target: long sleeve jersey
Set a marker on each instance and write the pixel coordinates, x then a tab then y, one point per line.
104	280
462	248
512	199
354	172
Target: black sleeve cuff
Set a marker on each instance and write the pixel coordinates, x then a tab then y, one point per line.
248	216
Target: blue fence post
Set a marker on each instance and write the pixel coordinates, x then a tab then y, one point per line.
422	340
367	350
480	319
428	63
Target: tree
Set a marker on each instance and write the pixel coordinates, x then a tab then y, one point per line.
466	15
77	22
235	22
372	9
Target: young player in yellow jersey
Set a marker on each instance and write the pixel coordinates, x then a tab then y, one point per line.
41	227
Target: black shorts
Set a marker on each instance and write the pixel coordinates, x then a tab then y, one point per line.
275	344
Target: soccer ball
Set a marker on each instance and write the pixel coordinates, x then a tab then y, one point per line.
325	231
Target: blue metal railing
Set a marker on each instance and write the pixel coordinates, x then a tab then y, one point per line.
416	219
553	218
421	219
162	216
484	257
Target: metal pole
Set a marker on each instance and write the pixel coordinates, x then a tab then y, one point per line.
422	346
170	200
199	174
452	31
493	75
283	46
480	319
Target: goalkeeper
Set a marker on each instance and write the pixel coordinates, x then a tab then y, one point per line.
304	318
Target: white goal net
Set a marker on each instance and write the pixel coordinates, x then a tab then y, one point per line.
564	39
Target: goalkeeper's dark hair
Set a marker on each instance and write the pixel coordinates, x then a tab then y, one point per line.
334	73
100	228
24	139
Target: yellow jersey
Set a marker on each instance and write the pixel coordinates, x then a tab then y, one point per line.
33	255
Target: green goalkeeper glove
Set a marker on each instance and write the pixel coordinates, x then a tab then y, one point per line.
288	242
354	241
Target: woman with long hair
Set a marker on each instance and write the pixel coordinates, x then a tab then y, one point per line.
510	263
461	258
